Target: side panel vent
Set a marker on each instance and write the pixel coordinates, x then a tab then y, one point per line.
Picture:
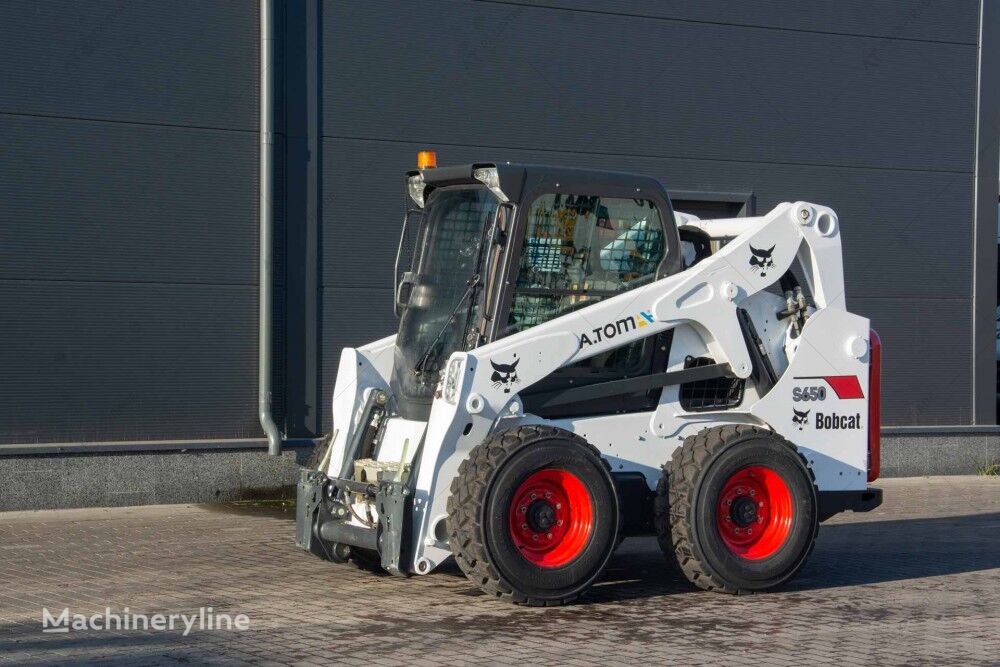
715	394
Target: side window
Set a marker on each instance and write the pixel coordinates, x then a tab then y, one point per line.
579	249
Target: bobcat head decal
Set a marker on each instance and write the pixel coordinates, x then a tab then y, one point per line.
505	375
761	259
801	417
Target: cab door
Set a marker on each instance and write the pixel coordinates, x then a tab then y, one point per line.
577	247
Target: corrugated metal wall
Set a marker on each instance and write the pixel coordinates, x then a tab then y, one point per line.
128	184
128	220
868	107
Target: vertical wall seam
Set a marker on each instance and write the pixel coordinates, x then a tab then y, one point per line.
986	183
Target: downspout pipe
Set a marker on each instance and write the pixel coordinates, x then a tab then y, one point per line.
266	212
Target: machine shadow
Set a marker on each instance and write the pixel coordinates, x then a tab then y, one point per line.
846	554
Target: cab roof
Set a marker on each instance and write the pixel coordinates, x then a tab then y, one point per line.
520	181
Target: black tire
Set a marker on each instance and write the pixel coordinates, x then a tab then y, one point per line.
693	492
484	494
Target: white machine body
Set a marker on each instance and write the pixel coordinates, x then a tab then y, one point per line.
820	401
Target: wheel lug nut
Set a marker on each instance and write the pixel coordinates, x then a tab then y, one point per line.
524	510
534	538
729	501
752	492
548	535
728	518
558	506
737	531
749	531
534	496
760	519
559	522
548	494
739	490
760	504
524	526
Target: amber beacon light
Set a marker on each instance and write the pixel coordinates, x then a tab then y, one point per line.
427	160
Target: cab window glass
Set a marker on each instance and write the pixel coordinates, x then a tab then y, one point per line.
579	249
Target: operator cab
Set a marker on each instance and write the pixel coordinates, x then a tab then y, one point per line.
500	248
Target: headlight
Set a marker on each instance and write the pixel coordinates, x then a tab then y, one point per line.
489	177
453	380
416	187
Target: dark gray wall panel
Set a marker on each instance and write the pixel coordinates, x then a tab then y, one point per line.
187	62
984	294
460	72
85	362
128	222
904	211
350	317
82	200
926	360
950	21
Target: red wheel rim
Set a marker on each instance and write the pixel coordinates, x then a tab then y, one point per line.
551	517
754	514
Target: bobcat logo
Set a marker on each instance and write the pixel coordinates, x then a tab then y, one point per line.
505	375
761	259
801	417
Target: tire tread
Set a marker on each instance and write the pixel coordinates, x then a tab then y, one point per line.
465	509
675	497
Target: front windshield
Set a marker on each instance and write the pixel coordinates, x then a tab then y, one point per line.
441	301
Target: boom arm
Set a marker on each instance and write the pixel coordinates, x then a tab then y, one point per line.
706	296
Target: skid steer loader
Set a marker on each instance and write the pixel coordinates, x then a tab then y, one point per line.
576	363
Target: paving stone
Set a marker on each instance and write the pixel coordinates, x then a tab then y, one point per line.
912	583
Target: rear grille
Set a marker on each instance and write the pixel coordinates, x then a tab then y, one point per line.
716	394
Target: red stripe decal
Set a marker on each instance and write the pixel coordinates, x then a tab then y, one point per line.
846	386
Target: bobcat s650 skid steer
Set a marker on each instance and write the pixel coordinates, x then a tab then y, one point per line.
577	363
